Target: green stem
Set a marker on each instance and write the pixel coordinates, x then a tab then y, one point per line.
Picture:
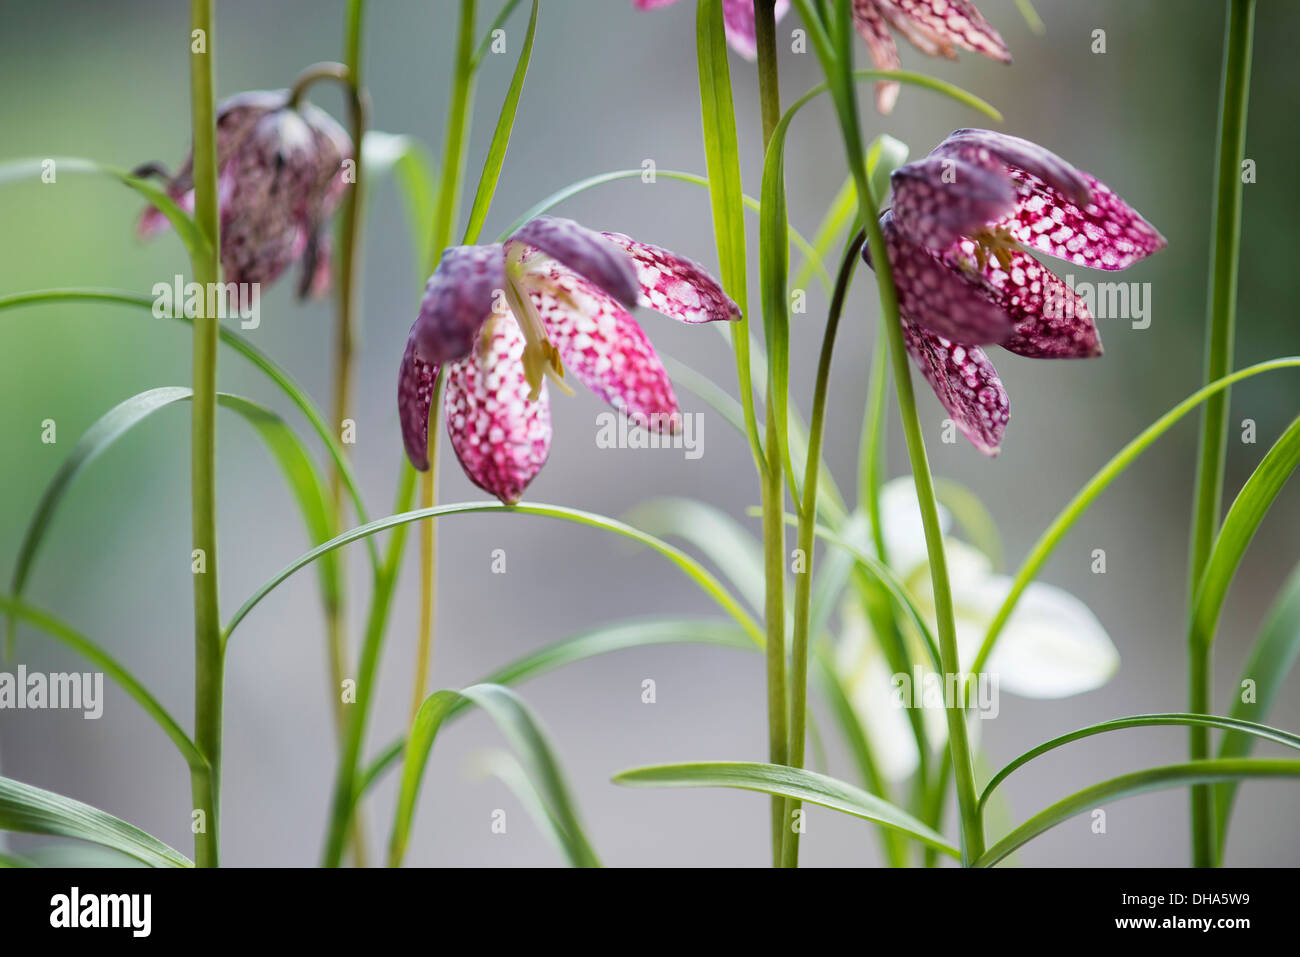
1225	255
771	475
835	50
807	531
385	582
871	469
208	658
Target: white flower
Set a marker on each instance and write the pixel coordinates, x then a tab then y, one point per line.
1052	646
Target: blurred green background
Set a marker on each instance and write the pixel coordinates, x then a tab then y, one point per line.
609	88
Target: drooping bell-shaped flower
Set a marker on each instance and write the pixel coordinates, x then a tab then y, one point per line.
957	233
738	18
504	318
935	27
1052	646
280	174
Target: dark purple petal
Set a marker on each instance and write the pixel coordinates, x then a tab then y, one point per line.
675	286
880	44
940	297
460	295
262	190
966	383
415	379
1105	233
501	438
998	152
953	22
939	199
585	251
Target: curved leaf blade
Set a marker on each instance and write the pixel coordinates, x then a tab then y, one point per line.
775	779
522	729
33	810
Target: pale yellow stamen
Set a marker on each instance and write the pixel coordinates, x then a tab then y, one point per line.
541	358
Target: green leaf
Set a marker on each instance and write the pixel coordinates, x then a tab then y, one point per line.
52	626
496	155
1084	498
589	644
506	767
728	544
31	810
1271	659
299	471
693	569
195	243
1248	728
523	730
1139	782
273	371
1239	527
794	783
413	168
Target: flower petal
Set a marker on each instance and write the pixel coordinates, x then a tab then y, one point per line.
954	21
998	151
903	527
500	437
1052	320
966	383
675	286
460	296
939	199
583	250
880	44
604	347
939	297
1104	233
415	379
1052	646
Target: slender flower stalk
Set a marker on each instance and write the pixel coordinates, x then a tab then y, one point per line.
208	658
455	142
1225	257
807	528
772	477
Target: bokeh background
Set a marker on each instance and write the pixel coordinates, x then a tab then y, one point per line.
608	89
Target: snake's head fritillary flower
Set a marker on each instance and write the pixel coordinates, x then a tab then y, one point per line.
280	174
1052	646
957	232
935	27
737	16
505	318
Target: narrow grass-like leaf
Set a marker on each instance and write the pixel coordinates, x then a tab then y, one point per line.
589	644
196	244
278	375
523	730
486	43
1084	498
33	810
496	154
506	767
413	169
16	609
1239	527
1139	782
1270	662
1248	728
789	782
727	544
295	463
697	572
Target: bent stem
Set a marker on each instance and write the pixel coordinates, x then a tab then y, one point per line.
772	477
1225	254
205	780
805	536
